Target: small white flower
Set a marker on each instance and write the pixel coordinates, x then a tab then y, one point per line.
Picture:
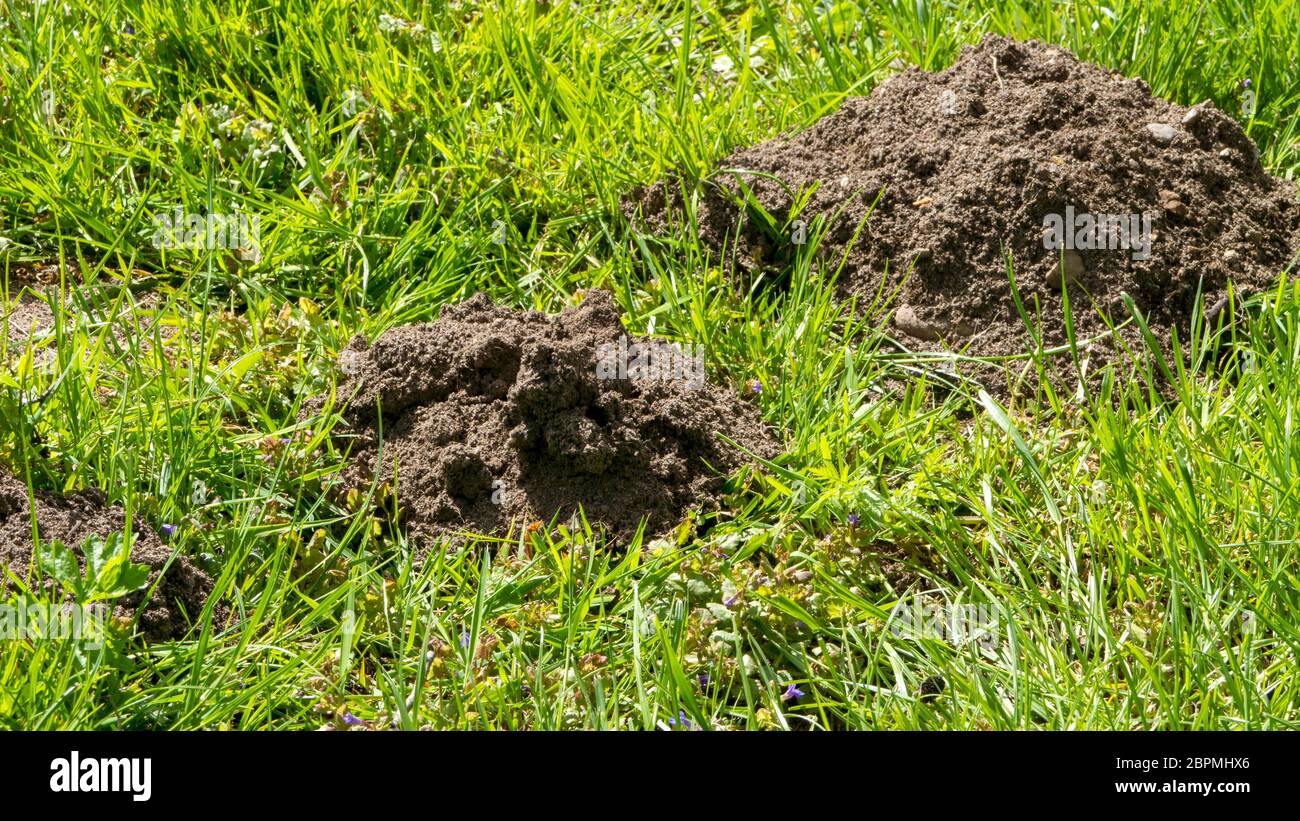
258	131
390	24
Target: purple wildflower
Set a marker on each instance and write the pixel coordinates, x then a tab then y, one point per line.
464	639
130	29
703	679
352	721
681	720
730	600
792	693
756	386
169	530
853	520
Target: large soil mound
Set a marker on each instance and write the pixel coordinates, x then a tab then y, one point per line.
969	164
495	417
75	518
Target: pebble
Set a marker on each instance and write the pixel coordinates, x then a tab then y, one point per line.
1072	262
1231	256
1162	133
1217	308
1171	202
1193	114
1225	153
909	323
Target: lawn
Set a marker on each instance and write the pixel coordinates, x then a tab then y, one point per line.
1128	551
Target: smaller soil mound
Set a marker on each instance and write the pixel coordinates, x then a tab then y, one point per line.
1081	175
75	518
492	417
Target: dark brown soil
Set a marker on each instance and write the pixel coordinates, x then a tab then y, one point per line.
75	518
497	418
41	273
25	317
968	162
28	317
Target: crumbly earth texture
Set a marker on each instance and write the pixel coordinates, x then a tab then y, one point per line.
492	418
959	168
72	520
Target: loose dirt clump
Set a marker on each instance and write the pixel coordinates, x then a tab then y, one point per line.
75	518
967	165
492	418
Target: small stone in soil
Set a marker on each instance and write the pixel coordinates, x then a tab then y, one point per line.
1216	309
1162	133
908	322
1072	262
1171	202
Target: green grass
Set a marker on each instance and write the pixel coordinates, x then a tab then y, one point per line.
1120	535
